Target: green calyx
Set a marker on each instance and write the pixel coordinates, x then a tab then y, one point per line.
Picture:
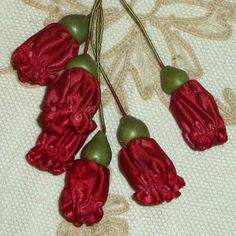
131	128
172	78
98	149
84	61
77	25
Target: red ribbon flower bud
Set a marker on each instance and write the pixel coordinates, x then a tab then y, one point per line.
55	154
197	114
68	107
38	59
149	171
70	102
85	192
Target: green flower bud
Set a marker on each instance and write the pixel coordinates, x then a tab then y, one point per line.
98	149
84	61
131	128
172	78
77	25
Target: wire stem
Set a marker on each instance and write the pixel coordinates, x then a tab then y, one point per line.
113	92
98	22
143	30
86	47
96	48
91	16
99	34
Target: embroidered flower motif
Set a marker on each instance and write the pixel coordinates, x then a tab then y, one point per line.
41	57
149	171
228	109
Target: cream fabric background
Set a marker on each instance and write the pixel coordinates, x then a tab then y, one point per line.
29	198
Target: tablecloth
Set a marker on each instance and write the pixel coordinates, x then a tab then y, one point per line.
199	36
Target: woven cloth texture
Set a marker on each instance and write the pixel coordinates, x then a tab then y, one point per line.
29	198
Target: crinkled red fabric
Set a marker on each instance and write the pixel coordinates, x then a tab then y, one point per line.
55	154
197	114
38	59
70	103
149	171
68	107
85	192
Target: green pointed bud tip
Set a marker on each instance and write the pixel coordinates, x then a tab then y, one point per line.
84	61
77	25
131	128
172	78
98	149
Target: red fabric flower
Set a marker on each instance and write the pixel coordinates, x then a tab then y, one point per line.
150	172
70	102
85	192
38	59
55	154
197	114
68	107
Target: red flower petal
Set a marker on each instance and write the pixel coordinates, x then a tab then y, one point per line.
55	154
68	107
71	102
150	172
197	114
39	58
85	192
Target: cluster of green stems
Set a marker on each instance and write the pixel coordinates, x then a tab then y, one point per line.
96	29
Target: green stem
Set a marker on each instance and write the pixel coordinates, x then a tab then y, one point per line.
93	13
87	42
96	48
113	92
143	30
91	17
97	21
99	34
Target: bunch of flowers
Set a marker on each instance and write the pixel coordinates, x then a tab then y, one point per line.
73	96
